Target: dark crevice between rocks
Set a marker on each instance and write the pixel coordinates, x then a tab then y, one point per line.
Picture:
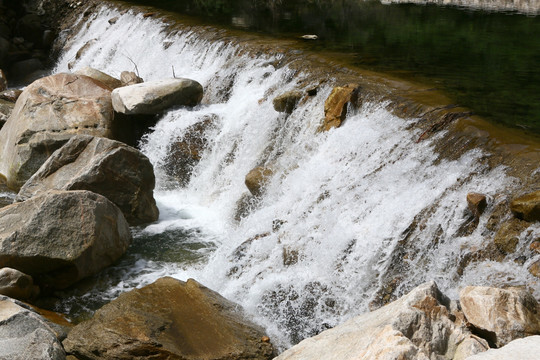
487	335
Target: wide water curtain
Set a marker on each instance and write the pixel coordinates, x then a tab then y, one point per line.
345	217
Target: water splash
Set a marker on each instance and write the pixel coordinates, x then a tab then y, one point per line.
343	213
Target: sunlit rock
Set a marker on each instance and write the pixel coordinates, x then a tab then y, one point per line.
417	326
119	172
46	115
477	203
335	106
257	178
502	315
527	207
153	97
24	334
16	284
95	74
130	78
61	237
520	349
169	319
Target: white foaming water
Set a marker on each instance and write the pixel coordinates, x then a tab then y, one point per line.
335	219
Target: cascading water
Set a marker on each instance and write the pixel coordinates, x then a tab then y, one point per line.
341	210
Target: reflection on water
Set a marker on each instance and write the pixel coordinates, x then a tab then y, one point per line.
486	61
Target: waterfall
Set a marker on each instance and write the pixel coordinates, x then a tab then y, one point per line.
343	212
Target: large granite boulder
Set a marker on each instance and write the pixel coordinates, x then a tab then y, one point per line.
502	315
527	207
418	326
168	319
46	115
95	74
119	172
521	349
61	237
26	335
16	284
153	97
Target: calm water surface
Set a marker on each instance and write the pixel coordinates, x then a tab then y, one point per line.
486	61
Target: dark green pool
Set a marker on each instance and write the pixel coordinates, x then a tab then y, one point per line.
487	61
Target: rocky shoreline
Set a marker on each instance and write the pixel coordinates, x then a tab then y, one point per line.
80	188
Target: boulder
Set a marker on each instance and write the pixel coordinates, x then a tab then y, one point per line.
186	151
534	269
527	207
48	113
3	81
335	106
520	349
10	95
95	74
17	285
286	102
502	315
257	178
507	237
130	78
169	319
418	326
156	96
119	172
26	335
61	237
477	203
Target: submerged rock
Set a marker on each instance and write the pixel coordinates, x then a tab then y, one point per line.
16	284
502	315
61	237
520	349
46	115
477	203
95	74
119	172
507	237
527	207
169	319
335	106
26	335
156	96
418	326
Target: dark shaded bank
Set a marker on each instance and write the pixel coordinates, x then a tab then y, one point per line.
484	60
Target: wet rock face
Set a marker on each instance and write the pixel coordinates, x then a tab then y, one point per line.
501	314
257	178
527	207
48	113
417	326
286	102
335	106
119	172
46	236
156	96
169	319
26	335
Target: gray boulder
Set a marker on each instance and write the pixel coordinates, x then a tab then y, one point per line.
48	113
156	96
418	326
169	319
16	284
26	335
119	172
108	80
61	237
501	314
522	349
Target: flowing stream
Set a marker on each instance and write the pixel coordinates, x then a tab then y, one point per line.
316	247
